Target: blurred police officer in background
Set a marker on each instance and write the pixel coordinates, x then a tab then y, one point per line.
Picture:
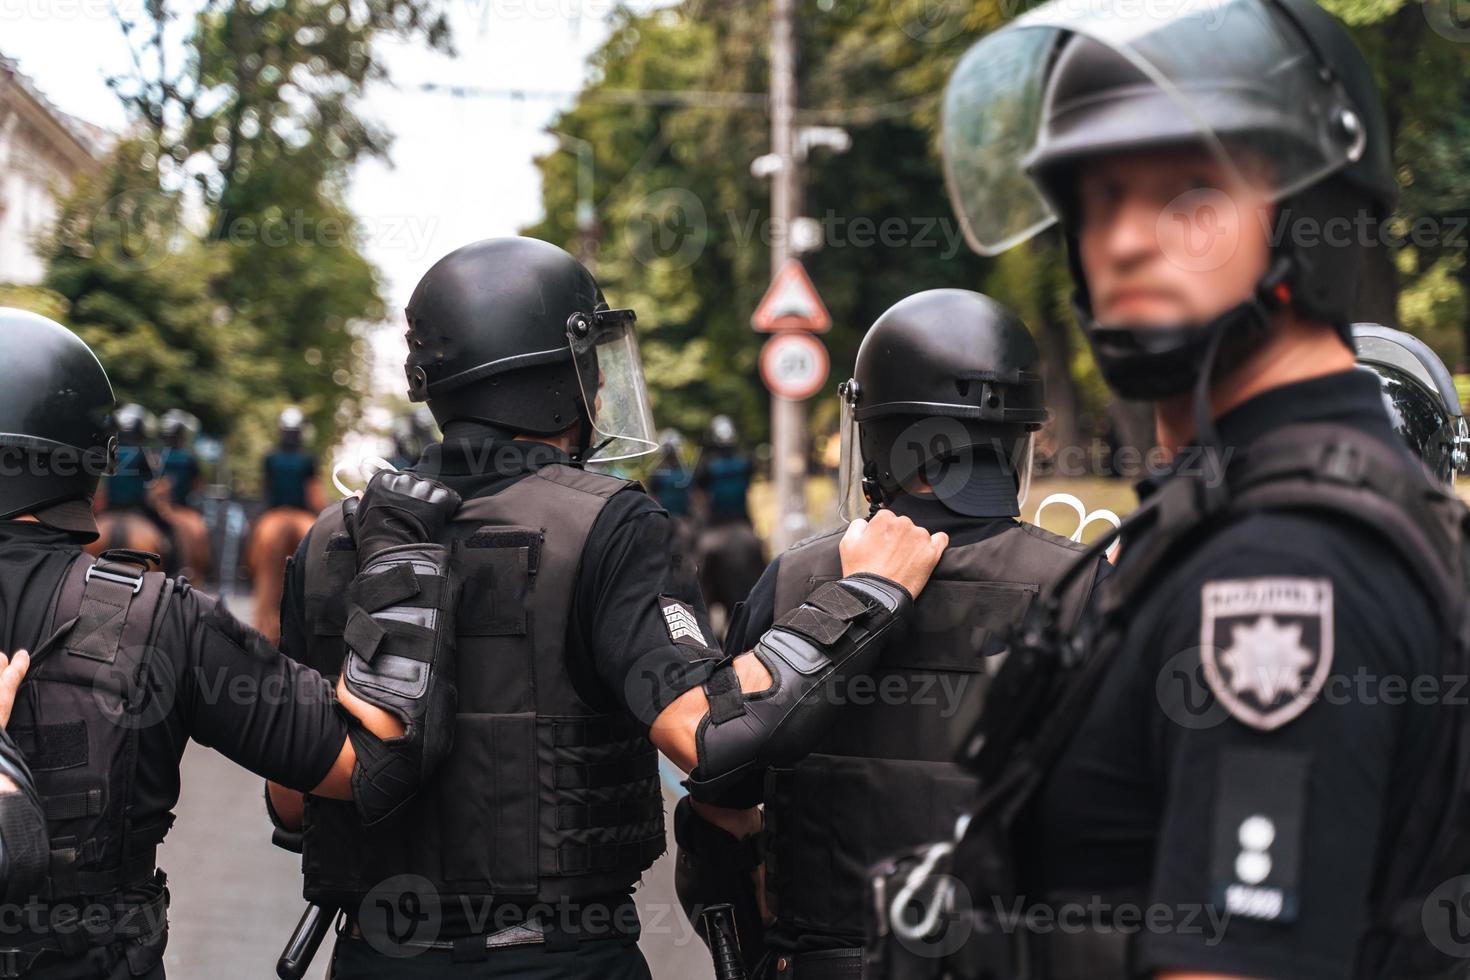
1206	761
126	666
582	644
730	555
938	423
291	471
1420	396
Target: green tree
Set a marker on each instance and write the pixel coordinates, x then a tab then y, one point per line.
667	173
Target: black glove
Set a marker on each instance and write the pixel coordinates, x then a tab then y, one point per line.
401	508
400	637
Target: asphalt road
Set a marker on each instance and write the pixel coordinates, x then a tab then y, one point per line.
236	898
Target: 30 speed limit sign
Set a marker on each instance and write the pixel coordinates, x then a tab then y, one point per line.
794	365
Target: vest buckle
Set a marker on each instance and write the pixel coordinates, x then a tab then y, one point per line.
134	582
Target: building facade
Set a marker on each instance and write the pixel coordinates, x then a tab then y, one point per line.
42	153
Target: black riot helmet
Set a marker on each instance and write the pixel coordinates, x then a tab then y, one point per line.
57	435
1276	90
514	332
1420	395
179	428
947	386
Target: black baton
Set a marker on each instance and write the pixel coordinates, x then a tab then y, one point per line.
724	943
304	942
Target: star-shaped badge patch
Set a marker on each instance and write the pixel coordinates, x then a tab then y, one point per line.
1266	645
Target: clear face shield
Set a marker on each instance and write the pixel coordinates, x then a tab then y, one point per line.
1077	79
610	373
851	502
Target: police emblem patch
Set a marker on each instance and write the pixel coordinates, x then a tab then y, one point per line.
682	624
1266	645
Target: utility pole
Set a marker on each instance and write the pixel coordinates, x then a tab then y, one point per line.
788	418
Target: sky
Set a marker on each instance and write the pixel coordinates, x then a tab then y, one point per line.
460	169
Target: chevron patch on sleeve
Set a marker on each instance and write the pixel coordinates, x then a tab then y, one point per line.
681	622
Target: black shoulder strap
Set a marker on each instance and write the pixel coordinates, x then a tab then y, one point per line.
105	605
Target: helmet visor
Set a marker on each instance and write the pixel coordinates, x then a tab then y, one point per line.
610	373
1079	79
851	502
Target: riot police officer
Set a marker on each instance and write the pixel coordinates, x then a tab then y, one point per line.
582	641
127	486
1420	396
938	423
180	463
1226	783
412	433
729	553
290	469
126	666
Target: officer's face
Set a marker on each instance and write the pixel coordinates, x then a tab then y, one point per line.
1168	237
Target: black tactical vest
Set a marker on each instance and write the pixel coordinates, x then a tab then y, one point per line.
543	798
884	776
1420	886
77	719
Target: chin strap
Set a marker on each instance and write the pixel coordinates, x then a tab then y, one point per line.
1243	325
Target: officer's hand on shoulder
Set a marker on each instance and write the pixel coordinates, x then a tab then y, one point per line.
401	508
894	548
13	672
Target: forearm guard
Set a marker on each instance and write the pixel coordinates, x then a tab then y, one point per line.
400	657
25	850
712	867
811	653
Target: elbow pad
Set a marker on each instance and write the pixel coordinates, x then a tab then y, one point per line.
832	636
400	657
25	848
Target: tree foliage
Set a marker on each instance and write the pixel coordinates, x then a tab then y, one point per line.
214	265
677	219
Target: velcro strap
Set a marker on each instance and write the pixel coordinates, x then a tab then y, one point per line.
363	635
98	632
837	601
608	814
598	775
817	625
576	732
48	748
577	859
722	690
382	589
71	806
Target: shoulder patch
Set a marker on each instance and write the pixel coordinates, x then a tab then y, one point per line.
682	623
1266	645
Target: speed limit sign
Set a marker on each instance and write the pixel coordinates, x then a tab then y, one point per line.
794	365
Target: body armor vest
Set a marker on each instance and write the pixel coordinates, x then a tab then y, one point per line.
1329	470
82	705
884	776
542	798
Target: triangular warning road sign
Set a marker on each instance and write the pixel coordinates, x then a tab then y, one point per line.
791	303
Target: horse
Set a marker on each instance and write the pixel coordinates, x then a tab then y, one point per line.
277	534
190	534
731	559
133	530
